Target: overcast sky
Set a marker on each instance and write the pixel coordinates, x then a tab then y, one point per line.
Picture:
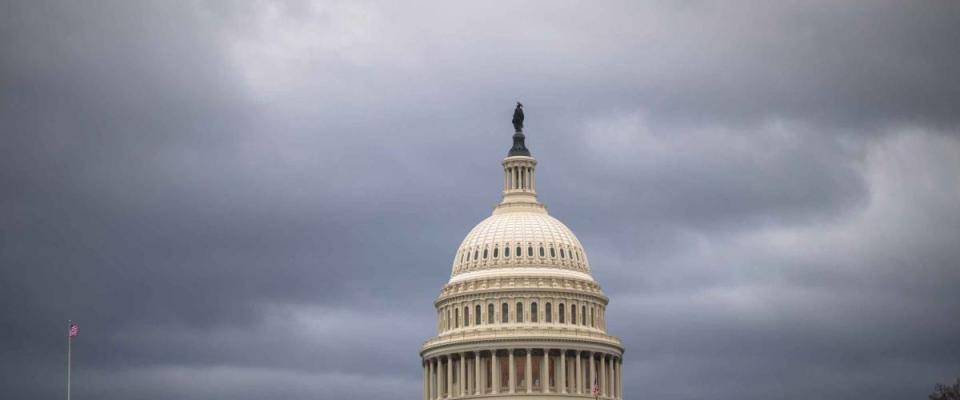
261	200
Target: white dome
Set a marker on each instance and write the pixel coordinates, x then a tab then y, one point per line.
520	288
546	246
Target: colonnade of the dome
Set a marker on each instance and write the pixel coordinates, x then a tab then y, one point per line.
519	179
519	371
518	174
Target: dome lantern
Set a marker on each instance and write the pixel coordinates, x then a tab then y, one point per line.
519	172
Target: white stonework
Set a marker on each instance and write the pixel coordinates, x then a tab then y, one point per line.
521	316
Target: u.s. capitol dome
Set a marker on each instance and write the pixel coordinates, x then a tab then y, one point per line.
521	316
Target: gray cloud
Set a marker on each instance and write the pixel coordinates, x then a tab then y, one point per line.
767	191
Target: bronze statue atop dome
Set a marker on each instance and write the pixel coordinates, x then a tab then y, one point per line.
519	147
518	118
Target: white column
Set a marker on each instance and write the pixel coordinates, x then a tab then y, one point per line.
611	380
545	372
562	382
523	178
593	372
476	373
520	174
468	370
429	369
613	377
434	382
462	377
526	178
577	381
494	373
513	374
449	386
426	387
527	370
603	375
529	178
616	378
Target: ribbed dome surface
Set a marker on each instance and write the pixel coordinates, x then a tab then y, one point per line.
542	241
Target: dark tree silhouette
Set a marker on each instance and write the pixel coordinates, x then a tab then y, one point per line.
946	392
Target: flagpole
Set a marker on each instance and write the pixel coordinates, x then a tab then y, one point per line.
69	348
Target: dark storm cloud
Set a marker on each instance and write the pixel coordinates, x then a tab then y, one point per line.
261	200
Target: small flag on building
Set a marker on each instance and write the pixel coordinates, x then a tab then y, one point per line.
596	388
74	330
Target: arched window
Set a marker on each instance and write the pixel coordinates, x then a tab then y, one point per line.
446	323
561	254
583	315
477	316
519	312
505	313
560	309
506	251
541	251
484	254
530	251
573	314
468	255
548	313
519	251
461	256
466	316
456	318
533	312
476	253
591	317
552	253
490	313
496	252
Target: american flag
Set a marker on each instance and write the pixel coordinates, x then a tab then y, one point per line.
596	388
74	330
